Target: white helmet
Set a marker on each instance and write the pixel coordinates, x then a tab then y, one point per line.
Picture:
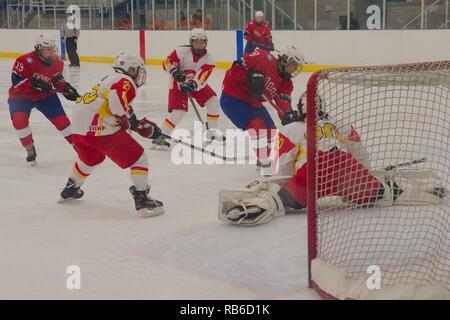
259	17
45	41
290	54
198	34
131	65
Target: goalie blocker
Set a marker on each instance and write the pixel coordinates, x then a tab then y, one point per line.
263	200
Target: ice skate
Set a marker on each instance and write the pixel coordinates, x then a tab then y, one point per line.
70	192
145	205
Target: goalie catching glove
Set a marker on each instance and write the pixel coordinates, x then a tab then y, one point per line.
258	203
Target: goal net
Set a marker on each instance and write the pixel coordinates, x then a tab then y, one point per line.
378	211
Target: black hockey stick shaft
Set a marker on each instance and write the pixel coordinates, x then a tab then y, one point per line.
194	105
203	150
405	164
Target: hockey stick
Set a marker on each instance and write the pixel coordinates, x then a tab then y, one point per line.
405	164
203	150
273	104
196	111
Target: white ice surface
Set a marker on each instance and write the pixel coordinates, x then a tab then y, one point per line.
184	254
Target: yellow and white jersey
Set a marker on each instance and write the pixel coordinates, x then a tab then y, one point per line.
197	68
94	113
291	144
290	148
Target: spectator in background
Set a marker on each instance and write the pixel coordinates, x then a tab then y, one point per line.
69	34
125	23
354	25
197	21
258	35
160	24
183	21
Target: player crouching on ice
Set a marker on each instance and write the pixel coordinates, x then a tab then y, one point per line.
341	172
190	66
36	78
100	123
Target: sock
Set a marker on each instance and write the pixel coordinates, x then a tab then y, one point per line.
212	112
171	121
80	172
62	123
21	124
139	173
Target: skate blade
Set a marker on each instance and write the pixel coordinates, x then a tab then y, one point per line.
32	163
159	148
62	200
147	213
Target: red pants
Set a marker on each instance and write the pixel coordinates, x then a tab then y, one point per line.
120	147
338	174
179	100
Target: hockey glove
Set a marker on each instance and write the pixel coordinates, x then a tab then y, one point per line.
178	75
256	83
290	116
70	93
148	129
40	85
126	122
188	87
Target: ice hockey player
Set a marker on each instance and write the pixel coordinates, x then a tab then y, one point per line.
190	66
257	34
100	124
342	171
259	76
36	78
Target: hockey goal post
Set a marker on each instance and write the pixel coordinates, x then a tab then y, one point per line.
400	251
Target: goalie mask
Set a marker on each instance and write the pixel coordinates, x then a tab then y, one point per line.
198	41
302	107
131	65
45	48
290	61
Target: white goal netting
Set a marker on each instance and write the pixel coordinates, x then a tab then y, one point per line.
399	115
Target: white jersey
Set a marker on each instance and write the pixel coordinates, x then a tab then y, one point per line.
94	114
291	144
290	148
197	68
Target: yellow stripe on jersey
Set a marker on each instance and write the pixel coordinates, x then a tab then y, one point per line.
301	157
167	64
104	109
204	76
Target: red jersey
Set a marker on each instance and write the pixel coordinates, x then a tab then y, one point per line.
260	33
277	88
30	65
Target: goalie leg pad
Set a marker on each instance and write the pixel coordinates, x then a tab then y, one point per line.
409	187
